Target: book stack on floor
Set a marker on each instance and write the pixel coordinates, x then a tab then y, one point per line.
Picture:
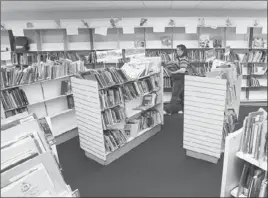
29	166
245	160
107	101
211	110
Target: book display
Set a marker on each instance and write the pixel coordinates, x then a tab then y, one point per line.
29	159
117	109
245	161
214	97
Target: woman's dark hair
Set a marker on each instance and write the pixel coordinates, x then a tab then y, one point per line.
183	48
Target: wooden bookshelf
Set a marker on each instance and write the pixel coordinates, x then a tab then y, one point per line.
91	129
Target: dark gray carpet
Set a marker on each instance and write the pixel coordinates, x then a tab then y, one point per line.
157	167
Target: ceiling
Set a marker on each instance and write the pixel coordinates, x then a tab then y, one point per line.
11	6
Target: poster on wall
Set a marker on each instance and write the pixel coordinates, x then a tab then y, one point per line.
204	41
139	43
166	41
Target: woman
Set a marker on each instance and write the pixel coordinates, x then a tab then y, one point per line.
180	58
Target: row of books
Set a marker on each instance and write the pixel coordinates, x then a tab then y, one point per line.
255	57
112	116
107	77
253	82
14	112
197	70
147	119
14	98
114	139
138	88
253	182
230	120
167	82
111	97
14	76
254	138
259	69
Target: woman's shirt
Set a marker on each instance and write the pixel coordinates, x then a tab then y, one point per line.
183	61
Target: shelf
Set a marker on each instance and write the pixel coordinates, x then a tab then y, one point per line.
49	99
234	193
141	110
63	112
168	89
106	108
255	74
254	87
129	81
248	158
21	107
256	63
37	82
132	138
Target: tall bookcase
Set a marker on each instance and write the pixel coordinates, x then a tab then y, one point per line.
90	126
204	113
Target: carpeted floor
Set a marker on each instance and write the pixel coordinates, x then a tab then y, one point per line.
157	167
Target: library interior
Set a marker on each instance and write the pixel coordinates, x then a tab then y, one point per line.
134	98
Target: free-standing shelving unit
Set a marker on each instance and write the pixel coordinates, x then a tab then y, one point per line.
233	165
90	128
204	108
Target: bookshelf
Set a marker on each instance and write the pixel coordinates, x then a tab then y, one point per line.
235	160
46	100
206	114
92	127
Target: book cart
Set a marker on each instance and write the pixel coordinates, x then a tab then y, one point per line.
90	124
30	159
205	104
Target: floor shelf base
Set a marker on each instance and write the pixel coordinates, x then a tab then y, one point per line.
66	136
125	148
202	156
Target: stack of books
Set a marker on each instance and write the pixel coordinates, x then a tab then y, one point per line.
254	138
253	182
114	139
112	116
147	119
111	97
14	98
